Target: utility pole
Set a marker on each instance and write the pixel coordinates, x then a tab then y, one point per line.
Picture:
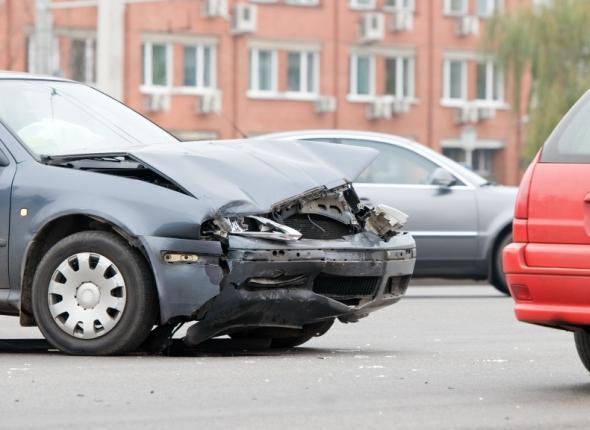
110	39
110	47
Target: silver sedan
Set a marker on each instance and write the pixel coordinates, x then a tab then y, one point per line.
461	221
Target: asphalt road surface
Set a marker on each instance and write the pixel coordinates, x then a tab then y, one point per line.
444	358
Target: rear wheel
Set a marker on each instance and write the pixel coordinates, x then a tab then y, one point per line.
582	338
94	295
498	276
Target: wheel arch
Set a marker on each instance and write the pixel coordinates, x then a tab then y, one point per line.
48	235
492	254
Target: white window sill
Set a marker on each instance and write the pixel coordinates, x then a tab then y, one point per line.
294	3
288	96
176	91
362	8
354	98
460	103
394	9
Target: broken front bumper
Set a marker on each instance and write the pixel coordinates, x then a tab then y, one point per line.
292	284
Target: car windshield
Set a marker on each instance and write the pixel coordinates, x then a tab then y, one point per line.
60	118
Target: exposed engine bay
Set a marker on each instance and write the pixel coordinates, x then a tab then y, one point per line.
319	214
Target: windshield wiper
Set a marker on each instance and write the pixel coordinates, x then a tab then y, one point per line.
93	161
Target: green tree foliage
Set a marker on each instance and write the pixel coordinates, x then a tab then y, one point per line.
553	42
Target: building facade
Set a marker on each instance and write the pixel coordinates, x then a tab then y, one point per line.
208	69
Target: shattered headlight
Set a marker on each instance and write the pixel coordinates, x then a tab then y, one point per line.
385	221
258	227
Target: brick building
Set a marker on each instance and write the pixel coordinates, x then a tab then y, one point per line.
218	68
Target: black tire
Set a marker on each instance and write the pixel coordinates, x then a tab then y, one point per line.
141	307
309	332
582	338
498	277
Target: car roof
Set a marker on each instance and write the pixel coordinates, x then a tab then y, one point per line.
7	74
464	174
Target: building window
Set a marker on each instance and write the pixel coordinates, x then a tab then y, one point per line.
157	65
33	57
400	4
455	7
362	4
455	80
362	76
199	66
399	77
302	72
490	82
263	71
486	8
456	154
482	162
83	60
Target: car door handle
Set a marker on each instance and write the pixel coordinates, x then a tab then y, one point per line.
366	201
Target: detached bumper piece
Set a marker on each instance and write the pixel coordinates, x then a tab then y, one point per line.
291	285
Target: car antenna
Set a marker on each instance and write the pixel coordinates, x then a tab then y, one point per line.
234	125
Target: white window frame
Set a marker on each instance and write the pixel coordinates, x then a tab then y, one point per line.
148	86
399	6
399	85
304	90
358	5
89	52
447	100
489	100
55	59
353	75
304	3
449	12
253	78
199	87
491	8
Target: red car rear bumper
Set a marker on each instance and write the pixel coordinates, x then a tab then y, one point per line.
552	296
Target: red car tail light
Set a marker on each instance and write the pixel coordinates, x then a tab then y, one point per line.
521	209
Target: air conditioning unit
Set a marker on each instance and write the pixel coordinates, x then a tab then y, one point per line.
208	103
400	106
243	19
486	113
325	104
380	108
467	25
467	114
214	8
372	27
402	20
157	103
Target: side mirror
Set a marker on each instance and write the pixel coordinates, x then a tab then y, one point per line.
442	178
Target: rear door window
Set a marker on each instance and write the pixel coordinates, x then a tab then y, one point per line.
570	142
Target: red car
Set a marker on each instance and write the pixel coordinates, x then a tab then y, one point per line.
548	265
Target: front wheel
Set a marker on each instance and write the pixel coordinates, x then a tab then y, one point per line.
498	276
94	295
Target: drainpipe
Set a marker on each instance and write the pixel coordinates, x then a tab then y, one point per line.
430	98
336	38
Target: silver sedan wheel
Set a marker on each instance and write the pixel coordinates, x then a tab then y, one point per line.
87	295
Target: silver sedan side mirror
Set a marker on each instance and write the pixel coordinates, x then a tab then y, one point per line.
443	178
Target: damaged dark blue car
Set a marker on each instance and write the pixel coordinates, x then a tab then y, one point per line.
113	233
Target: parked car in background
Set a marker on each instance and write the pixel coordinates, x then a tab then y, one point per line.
461	221
548	265
113	227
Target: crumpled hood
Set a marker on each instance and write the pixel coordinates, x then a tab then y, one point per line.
250	176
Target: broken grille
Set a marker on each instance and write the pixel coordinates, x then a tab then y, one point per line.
346	286
318	227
